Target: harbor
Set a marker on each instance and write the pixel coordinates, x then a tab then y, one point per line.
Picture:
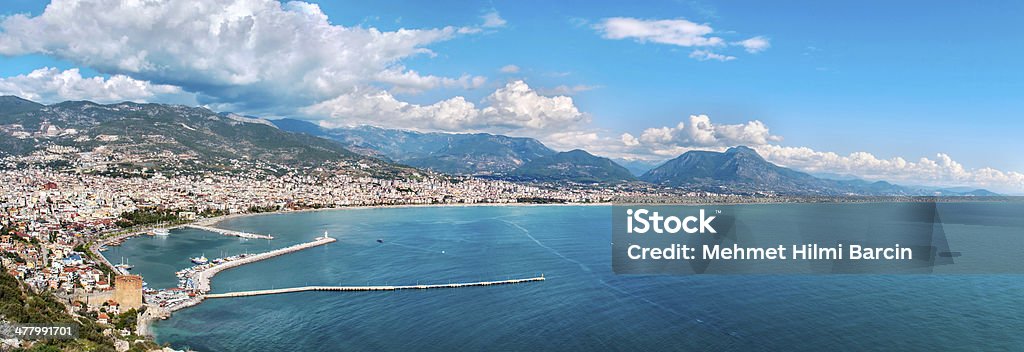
194	281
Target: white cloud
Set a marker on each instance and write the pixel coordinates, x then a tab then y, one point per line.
493	20
701	132
255	53
704	55
50	85
510	69
568	140
516	105
678	32
940	171
410	81
513	108
629	140
754	45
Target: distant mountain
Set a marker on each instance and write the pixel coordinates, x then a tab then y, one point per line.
737	167
741	169
159	136
452	153
10	104
576	166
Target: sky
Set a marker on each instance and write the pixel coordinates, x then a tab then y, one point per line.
910	92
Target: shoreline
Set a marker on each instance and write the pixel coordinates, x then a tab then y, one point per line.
214	221
217	219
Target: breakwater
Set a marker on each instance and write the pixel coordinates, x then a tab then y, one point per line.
371	288
202	277
231	232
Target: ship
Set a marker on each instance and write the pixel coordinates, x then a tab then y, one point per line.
124	267
161	232
200	260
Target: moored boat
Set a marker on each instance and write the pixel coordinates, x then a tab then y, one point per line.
200	260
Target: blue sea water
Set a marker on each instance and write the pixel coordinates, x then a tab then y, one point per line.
582	306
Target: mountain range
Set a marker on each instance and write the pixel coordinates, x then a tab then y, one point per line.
574	165
175	137
453	153
160	136
482	154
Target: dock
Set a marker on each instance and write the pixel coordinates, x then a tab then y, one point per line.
370	288
202	278
230	232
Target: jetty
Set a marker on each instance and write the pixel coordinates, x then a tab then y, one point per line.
202	277
230	232
370	288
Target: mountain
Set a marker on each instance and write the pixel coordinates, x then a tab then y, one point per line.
453	153
159	136
741	169
576	166
10	104
738	166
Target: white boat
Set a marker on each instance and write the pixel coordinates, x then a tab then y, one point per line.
161	232
200	260
124	266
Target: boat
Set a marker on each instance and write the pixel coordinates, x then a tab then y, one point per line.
124	267
380	240
200	260
160	232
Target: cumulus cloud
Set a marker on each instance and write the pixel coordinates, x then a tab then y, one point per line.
510	69
254	53
941	170
513	108
629	140
700	132
704	55
754	45
51	85
516	105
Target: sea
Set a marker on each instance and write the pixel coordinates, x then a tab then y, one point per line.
582	306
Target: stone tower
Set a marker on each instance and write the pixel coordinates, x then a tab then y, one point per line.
128	291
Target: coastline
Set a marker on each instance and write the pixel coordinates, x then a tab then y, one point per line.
214	221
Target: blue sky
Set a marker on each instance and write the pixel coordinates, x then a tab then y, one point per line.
894	79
